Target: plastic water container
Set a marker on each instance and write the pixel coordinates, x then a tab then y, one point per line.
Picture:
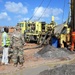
54	42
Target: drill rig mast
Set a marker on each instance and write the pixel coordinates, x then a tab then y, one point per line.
73	15
72	25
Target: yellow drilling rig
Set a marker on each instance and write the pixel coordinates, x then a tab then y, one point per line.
37	31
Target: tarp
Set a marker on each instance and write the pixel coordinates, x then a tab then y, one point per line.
59	28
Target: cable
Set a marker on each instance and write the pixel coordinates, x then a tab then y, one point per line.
37	9
44	10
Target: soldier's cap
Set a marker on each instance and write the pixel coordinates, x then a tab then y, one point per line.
18	27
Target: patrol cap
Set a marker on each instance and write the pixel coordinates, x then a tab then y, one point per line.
18	28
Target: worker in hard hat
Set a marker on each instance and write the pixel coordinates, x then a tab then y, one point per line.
17	45
5	44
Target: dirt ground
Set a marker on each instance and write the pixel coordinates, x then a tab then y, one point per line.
30	60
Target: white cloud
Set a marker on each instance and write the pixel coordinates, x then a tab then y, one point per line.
19	16
16	7
56	11
57	18
47	12
23	19
39	11
4	15
9	18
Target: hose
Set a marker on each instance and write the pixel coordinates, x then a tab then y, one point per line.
40	44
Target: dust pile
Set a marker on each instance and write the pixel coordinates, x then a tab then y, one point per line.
52	52
61	70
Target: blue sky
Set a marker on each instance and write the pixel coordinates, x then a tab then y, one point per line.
14	11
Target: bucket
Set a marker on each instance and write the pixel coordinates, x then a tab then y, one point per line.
54	42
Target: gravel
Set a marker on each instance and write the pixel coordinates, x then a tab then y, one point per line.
50	52
62	70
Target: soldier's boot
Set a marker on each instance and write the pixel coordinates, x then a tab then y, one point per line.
15	64
21	64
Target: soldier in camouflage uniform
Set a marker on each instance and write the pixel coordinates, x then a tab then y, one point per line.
17	45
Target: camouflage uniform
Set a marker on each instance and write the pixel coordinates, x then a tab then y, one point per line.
17	44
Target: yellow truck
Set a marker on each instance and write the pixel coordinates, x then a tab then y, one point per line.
34	31
23	26
39	31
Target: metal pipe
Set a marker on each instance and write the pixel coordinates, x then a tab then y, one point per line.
73	15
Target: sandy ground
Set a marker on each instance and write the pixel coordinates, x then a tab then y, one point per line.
30	60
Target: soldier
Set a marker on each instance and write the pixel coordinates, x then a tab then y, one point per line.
17	45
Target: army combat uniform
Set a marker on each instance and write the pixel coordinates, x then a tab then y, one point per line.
17	44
